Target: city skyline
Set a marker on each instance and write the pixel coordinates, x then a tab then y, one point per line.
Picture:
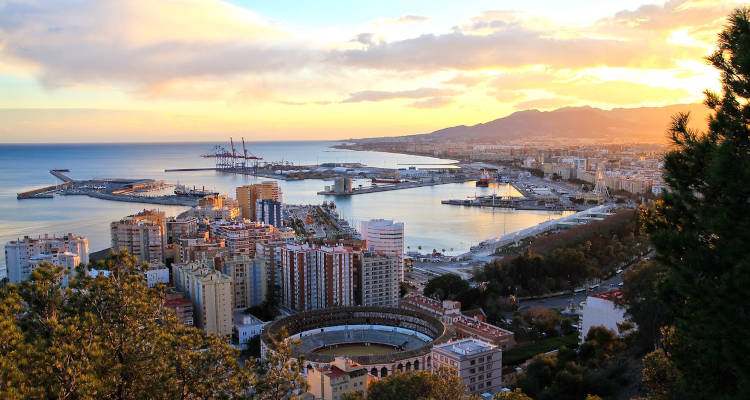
197	70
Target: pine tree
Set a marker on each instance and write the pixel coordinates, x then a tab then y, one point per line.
701	231
107	337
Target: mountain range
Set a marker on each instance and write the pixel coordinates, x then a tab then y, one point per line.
644	124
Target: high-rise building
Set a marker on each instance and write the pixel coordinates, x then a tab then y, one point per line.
24	255
316	277
268	211
142	234
387	237
182	227
379	280
248	195
210	291
478	364
241	237
248	280
200	248
269	254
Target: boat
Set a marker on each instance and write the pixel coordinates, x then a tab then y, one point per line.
485	179
182	190
383	180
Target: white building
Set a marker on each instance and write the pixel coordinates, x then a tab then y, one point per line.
246	327
387	237
603	309
19	253
69	261
157	274
478	364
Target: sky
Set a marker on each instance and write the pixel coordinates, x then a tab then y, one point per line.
204	70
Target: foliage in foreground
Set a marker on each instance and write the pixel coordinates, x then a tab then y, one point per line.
107	338
700	231
574	375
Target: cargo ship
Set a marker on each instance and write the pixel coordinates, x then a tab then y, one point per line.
182	190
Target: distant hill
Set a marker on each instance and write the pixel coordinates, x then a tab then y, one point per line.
647	124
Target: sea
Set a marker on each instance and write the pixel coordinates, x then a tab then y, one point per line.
428	224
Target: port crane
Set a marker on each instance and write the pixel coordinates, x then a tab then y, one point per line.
231	161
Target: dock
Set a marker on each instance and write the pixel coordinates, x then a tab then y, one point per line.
512	203
114	189
48	192
398	186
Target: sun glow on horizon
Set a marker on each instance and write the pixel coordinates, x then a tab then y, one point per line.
202	69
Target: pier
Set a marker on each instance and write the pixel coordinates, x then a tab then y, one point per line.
114	189
398	186
514	203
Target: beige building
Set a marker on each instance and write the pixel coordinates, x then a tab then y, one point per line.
142	234
248	280
210	292
379	278
331	381
477	363
242	237
248	195
182	227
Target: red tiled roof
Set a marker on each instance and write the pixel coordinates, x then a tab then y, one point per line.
612	295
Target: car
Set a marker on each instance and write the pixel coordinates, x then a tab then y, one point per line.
592	287
619	271
619	284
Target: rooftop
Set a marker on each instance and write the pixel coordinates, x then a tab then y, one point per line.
466	347
612	295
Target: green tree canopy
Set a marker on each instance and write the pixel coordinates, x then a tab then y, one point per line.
424	385
701	228
107	338
446	287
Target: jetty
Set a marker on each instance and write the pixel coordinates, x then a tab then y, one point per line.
396	186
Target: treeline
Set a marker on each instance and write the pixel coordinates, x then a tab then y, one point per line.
110	337
565	260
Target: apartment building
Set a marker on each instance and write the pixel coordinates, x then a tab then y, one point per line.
379	279
142	234
248	280
477	363
316	277
248	195
331	381
24	255
210	292
242	237
386	237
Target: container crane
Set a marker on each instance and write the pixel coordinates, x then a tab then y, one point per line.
230	161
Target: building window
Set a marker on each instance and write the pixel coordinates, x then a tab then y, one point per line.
472	371
473	362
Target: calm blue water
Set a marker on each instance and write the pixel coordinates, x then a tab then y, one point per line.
427	222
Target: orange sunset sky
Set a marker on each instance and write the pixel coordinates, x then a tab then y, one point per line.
190	70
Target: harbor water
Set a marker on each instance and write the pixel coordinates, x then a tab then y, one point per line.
428	224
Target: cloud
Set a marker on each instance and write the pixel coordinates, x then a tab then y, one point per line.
142	44
571	87
506	39
434	102
410	19
466	80
377	95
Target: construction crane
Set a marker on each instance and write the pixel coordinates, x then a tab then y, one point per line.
230	161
